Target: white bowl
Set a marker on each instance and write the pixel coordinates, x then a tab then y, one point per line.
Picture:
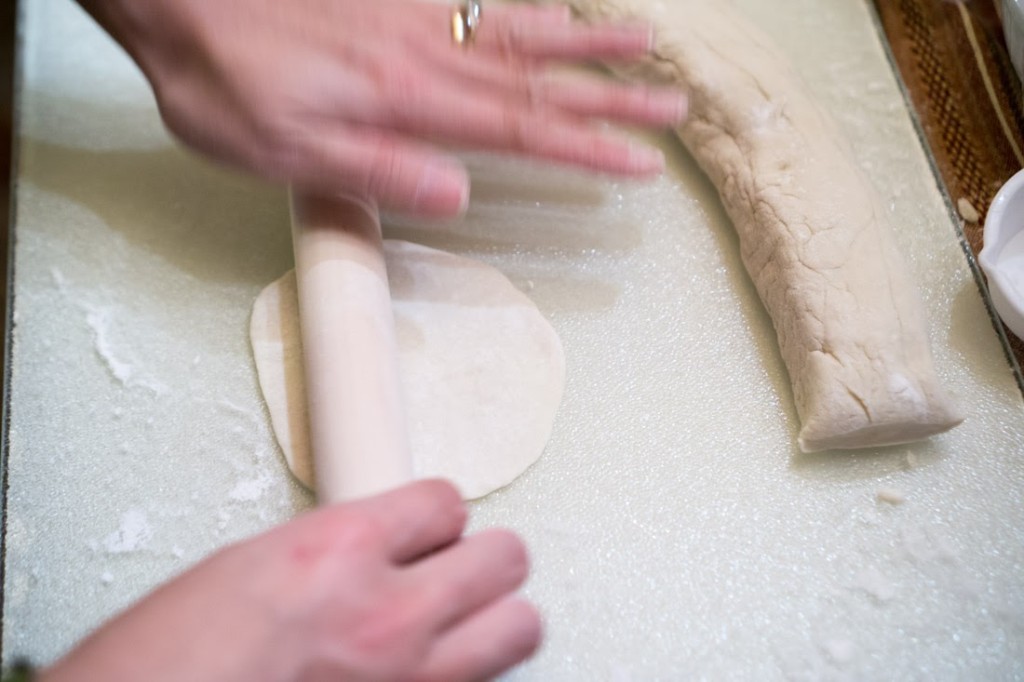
1013	27
1002	257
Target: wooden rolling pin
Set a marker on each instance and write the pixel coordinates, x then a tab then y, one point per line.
356	419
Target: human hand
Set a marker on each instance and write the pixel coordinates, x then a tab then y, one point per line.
385	588
350	96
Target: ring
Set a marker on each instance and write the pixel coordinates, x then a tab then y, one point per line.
465	22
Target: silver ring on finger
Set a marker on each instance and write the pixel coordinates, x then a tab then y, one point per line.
465	21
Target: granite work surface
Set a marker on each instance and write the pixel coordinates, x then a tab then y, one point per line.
676	531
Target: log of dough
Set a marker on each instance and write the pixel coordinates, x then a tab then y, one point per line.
482	370
813	234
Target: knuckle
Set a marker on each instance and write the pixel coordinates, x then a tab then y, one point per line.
276	158
512	551
385	172
321	541
533	85
355	532
530	627
446	497
512	39
280	141
339	534
396	624
517	130
403	93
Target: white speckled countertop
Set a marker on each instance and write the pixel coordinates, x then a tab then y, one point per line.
676	531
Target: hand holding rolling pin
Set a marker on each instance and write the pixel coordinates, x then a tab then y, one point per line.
367	98
379	589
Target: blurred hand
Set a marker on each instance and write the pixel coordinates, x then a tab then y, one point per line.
380	589
352	95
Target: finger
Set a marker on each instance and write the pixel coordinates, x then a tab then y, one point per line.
524	35
500	636
480	120
399	173
438	17
548	32
525	15
417	518
554	13
581	93
567	141
469	575
591	97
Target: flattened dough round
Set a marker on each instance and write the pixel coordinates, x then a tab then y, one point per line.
482	370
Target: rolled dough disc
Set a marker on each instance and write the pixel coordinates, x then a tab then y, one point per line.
482	370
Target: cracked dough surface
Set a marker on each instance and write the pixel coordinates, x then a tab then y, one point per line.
482	370
814	236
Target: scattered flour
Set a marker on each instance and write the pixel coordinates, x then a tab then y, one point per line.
100	320
236	409
99	323
134	533
840	650
251	489
872	581
924	545
59	279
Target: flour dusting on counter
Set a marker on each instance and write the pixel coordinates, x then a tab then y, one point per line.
675	533
841	651
133	535
876	584
251	489
99	322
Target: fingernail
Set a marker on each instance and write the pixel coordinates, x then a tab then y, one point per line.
443	190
